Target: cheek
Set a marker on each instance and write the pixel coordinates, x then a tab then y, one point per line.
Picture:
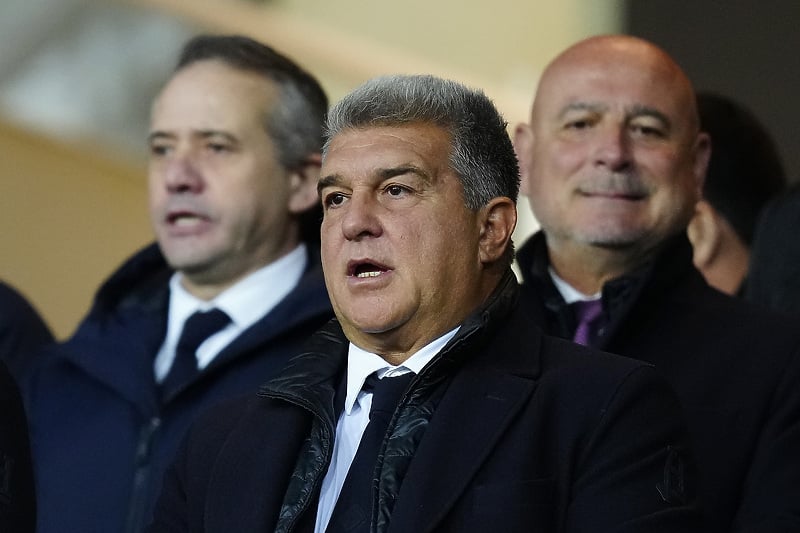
156	198
551	174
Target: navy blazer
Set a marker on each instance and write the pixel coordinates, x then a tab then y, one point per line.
101	436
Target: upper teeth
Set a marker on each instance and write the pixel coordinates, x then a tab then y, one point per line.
184	220
370	274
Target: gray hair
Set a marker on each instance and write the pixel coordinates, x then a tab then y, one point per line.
481	150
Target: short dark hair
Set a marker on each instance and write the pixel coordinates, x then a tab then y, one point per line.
745	170
481	151
296	124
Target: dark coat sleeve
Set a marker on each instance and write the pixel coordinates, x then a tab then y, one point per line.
17	501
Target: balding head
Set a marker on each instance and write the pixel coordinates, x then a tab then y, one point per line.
612	159
606	54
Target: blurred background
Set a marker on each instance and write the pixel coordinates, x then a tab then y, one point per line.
77	78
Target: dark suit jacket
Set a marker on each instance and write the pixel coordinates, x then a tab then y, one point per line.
735	369
531	434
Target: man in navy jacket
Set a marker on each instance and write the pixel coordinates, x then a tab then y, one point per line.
234	159
498	428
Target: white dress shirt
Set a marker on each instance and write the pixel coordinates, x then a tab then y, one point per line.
355	417
245	303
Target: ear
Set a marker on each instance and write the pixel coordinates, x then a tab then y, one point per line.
702	154
705	235
303	185
498	219
523	146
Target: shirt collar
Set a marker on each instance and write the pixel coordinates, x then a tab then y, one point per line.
247	300
361	363
568	292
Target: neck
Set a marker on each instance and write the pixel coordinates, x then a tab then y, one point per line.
588	268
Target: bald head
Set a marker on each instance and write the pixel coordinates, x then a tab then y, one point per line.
612	159
600	57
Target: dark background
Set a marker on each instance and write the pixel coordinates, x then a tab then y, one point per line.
748	50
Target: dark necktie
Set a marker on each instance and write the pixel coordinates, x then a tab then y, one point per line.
353	508
197	328
588	314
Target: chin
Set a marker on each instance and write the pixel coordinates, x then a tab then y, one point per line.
612	242
368	322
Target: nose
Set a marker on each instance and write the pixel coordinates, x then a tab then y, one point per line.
613	149
181	175
361	218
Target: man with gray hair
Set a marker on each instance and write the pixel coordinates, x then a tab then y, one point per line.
429	403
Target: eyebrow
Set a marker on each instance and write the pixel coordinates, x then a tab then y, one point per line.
379	176
328	181
203	134
581	106
635	111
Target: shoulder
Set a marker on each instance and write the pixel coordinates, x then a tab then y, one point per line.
239	424
593	374
212	428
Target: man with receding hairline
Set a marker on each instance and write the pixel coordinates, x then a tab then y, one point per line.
228	293
613	163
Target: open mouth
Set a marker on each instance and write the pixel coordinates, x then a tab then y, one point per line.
184	218
365	269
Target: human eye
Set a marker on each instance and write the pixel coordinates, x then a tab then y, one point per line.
218	147
159	148
577	124
396	190
333	199
579	120
648	127
219	142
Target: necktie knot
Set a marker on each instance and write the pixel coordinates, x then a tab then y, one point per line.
587	314
386	392
197	328
200	326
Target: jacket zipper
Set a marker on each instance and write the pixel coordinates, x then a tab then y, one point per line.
141	475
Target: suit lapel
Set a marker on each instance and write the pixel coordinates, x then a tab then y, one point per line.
244	500
477	408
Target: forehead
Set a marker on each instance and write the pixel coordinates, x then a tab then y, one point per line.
377	147
614	80
212	94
